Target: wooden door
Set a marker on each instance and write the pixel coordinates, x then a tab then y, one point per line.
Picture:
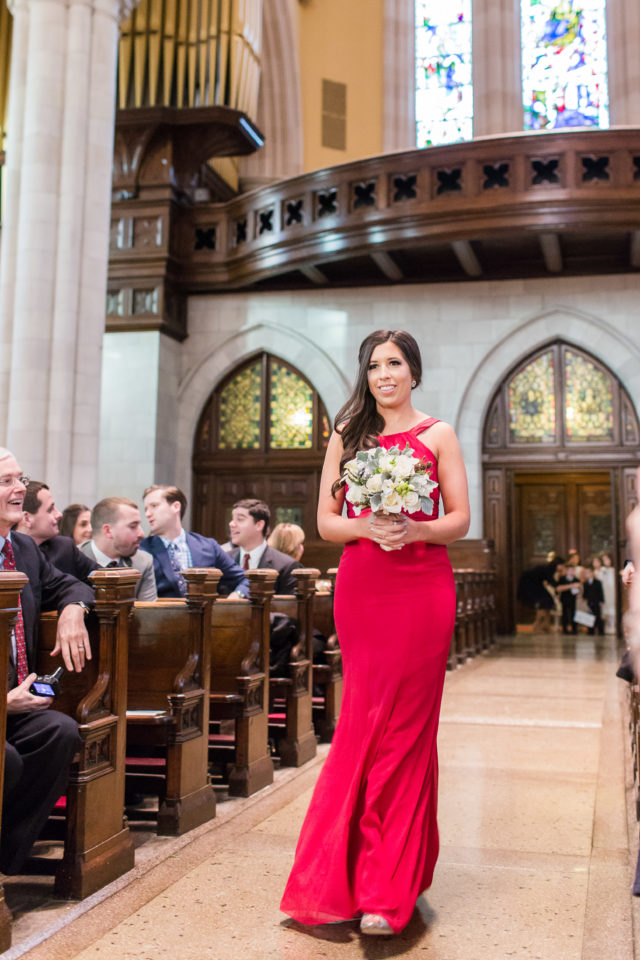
557	512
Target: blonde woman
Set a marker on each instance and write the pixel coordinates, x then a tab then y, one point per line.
288	538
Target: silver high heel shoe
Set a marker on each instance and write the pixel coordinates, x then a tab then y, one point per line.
374	925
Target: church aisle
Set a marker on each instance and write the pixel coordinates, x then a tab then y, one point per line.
535	857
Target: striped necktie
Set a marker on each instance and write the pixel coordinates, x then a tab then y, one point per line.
22	666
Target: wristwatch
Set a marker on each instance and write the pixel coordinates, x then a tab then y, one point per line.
81	603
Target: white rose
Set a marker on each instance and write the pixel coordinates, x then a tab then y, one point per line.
411	501
374	483
356	493
392	502
424	485
403	467
386	463
387	487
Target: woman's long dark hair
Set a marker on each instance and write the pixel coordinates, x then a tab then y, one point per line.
358	421
69	518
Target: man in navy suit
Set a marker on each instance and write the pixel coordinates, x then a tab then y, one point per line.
40	518
248	530
40	742
174	550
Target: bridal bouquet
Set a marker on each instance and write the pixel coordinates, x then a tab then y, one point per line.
388	480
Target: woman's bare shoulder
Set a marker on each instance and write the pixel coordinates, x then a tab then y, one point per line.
439	435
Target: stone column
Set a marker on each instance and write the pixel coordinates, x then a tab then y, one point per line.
497	71
399	77
53	309
623	43
11	175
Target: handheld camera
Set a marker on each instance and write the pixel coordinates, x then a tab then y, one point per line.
48	685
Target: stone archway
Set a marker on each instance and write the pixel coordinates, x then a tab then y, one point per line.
223	355
617	352
502	466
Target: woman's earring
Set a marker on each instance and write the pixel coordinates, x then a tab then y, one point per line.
413	384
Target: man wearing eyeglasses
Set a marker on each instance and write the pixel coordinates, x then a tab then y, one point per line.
40	741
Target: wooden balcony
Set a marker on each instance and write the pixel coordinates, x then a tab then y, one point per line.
516	206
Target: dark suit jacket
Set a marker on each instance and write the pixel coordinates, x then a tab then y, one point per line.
63	554
48	589
593	592
272	559
205	552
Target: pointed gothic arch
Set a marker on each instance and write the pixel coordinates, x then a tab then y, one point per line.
262	433
559	452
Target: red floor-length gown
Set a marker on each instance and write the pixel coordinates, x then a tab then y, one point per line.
369	843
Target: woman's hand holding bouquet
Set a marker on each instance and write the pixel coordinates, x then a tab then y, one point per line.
392	483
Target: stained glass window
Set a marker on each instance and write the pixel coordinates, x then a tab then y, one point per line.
239	425
291	407
444	91
564	64
532	408
588	398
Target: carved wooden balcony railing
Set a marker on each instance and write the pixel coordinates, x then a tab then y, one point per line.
517	206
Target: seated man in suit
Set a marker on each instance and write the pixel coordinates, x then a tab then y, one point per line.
249	529
117	535
40	742
40	519
174	550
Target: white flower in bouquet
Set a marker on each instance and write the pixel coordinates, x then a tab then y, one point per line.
404	467
385	461
388	481
357	494
374	483
412	501
391	502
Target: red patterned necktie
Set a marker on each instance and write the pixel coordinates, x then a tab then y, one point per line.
245	563
21	648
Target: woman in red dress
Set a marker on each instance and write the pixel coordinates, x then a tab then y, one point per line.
369	843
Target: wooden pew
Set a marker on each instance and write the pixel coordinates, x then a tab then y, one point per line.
168	703
11	582
327	675
98	847
457	651
240	683
296	689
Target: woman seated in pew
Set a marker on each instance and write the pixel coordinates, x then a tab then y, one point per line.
369	843
288	538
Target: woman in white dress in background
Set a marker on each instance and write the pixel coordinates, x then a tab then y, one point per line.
607	576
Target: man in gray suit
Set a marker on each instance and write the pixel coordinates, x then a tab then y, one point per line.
117	534
248	531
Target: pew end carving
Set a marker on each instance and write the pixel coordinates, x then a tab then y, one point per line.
327	674
168	703
240	686
11	583
97	845
294	692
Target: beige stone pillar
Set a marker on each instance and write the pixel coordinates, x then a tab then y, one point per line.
497	71
399	76
60	215
11	176
623	43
